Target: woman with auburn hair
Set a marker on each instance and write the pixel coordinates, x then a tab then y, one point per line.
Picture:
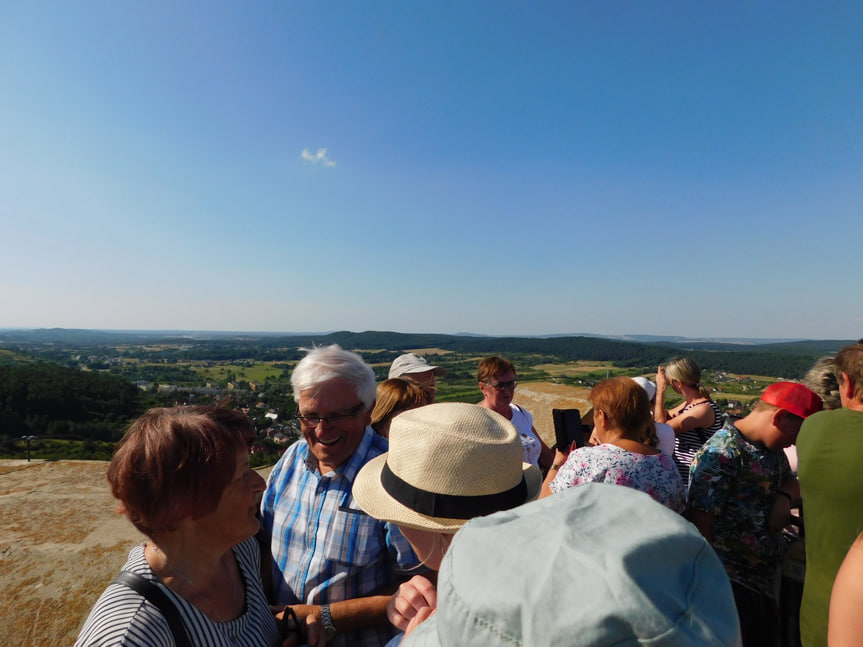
497	382
622	420
694	421
394	396
182	477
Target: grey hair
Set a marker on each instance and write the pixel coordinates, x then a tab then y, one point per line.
324	363
821	379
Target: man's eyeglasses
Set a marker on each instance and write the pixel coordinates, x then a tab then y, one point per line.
503	386
309	422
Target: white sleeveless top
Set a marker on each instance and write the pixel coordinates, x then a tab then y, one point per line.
523	422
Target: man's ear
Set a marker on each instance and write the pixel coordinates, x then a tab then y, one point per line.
785	421
846	386
778	418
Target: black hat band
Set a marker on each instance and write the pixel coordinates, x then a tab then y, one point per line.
451	506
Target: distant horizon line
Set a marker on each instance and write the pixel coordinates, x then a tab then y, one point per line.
626	336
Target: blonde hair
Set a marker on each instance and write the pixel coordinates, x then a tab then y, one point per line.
687	372
394	396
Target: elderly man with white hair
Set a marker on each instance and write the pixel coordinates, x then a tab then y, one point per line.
335	565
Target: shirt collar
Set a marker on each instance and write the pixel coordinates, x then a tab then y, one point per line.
349	469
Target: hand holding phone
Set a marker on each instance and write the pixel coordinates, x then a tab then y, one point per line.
567	429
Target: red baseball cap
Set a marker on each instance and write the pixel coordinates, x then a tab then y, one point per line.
792	397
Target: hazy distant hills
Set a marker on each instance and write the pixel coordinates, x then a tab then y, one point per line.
806	346
776	357
397	340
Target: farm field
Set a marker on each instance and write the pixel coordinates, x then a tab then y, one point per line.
257	372
430	351
576	368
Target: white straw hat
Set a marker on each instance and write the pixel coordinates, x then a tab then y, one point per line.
447	463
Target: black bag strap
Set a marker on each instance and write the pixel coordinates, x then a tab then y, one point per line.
155	595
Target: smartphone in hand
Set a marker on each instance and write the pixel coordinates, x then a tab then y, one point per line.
567	428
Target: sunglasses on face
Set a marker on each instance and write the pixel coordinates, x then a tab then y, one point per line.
503	386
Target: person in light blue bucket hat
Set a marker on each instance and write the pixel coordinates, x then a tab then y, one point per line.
598	565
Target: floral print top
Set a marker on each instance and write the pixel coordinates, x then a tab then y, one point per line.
654	474
735	481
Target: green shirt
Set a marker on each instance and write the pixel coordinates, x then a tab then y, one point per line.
830	468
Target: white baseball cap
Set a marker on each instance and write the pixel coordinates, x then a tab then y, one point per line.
413	363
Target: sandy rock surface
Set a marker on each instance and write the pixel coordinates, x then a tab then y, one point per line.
61	543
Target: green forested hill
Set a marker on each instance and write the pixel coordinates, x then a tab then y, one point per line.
788	360
50	400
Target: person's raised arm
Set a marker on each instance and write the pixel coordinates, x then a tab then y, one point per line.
660	414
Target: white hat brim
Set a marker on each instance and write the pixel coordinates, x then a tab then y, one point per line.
378	503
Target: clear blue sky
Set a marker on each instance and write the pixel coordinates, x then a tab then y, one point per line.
669	168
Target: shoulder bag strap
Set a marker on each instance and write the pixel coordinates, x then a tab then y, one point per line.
155	595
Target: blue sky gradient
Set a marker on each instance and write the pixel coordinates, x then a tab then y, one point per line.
669	168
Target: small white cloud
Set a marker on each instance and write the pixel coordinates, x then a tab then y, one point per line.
318	158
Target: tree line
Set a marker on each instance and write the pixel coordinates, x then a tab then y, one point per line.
44	392
67	347
51	400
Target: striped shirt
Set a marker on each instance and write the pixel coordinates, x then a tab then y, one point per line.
689	442
325	548
124	618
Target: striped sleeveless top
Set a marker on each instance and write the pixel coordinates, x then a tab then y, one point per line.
689	442
122	616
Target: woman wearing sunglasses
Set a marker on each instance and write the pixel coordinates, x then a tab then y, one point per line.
497	381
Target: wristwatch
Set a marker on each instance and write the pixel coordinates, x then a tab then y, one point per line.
327	621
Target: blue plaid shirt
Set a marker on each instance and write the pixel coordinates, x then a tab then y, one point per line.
325	548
